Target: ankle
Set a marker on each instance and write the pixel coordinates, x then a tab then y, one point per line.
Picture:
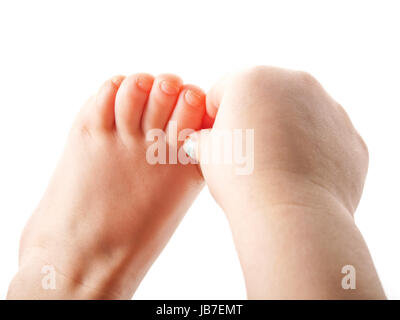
46	274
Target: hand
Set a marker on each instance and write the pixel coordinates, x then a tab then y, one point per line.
291	214
305	146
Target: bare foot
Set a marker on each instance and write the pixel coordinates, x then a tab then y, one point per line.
108	212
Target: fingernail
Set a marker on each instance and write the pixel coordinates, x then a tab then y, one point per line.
190	147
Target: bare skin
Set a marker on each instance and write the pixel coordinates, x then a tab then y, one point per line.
292	218
107	212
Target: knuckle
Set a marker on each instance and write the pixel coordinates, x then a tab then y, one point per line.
259	79
258	74
306	77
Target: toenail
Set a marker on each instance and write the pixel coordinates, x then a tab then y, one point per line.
117	80
192	98
169	87
144	83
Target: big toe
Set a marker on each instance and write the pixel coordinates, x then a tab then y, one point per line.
130	102
99	110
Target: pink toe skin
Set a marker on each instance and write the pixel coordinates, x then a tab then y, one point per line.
189	110
162	100
103	117
130	102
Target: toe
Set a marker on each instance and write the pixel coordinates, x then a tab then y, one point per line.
103	117
188	113
162	99
130	101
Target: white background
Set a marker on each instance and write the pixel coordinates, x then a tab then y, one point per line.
54	54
